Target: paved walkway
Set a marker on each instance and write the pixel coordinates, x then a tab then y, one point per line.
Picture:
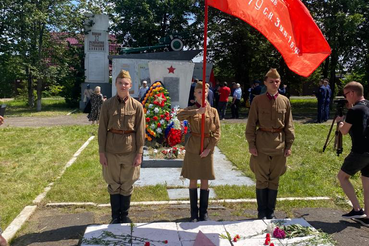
225	174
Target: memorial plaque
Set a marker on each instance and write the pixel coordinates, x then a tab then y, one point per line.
95	70
172	85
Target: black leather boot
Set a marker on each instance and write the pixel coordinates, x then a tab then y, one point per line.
272	200
125	204
204	202
115	209
193	205
262	199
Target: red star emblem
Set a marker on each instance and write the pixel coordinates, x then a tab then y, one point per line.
171	69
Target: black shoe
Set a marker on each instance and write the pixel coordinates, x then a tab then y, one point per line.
363	221
125	203
193	205
115	209
204	202
272	200
354	214
262	200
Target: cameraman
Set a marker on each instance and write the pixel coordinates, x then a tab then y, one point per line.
356	124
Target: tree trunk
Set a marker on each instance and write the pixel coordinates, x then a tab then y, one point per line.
334	61
39	94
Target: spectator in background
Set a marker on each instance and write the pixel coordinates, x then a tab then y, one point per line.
283	90
216	94
96	102
235	106
233	87
191	98
142	90
210	95
327	99
321	95
224	92
255	90
87	94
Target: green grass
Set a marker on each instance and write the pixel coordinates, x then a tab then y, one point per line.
304	106
54	106
310	172
31	158
83	182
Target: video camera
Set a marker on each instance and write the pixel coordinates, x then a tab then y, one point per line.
340	104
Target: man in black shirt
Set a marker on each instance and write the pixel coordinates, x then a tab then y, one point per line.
356	124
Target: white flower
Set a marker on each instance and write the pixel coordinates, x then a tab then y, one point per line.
162	121
158	130
151	105
155	151
156	110
153	126
148	112
177	124
184	151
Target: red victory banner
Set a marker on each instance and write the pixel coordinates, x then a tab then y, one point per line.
288	25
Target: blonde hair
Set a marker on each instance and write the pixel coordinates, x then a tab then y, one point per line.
356	87
97	89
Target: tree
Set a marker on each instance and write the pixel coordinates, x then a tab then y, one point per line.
143	22
27	31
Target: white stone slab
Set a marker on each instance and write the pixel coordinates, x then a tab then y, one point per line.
156	233
297	240
175	194
212	229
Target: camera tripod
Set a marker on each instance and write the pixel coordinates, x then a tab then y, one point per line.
337	136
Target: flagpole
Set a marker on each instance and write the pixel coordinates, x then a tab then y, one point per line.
204	74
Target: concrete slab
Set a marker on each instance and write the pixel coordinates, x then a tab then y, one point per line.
176	194
225	174
155	233
212	229
251	232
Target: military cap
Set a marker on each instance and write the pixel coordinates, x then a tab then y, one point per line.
124	74
273	73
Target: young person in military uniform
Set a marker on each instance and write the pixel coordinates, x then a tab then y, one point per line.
197	165
270	134
121	140
357	125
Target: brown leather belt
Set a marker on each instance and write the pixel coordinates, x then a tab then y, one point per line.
195	134
271	129
122	132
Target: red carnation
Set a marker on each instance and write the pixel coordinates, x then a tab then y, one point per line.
167	118
155	118
166	241
162	116
235	239
147	119
267	241
147	243
272	244
159	125
238	236
167	113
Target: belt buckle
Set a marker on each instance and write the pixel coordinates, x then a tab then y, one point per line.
211	134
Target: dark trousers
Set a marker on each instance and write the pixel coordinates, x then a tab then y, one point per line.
326	111
321	112
235	109
222	107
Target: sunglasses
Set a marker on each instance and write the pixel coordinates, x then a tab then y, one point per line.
344	94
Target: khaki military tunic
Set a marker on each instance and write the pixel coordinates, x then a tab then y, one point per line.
269	113
195	167
121	149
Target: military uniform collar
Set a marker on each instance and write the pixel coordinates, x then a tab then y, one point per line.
122	99
272	96
199	105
